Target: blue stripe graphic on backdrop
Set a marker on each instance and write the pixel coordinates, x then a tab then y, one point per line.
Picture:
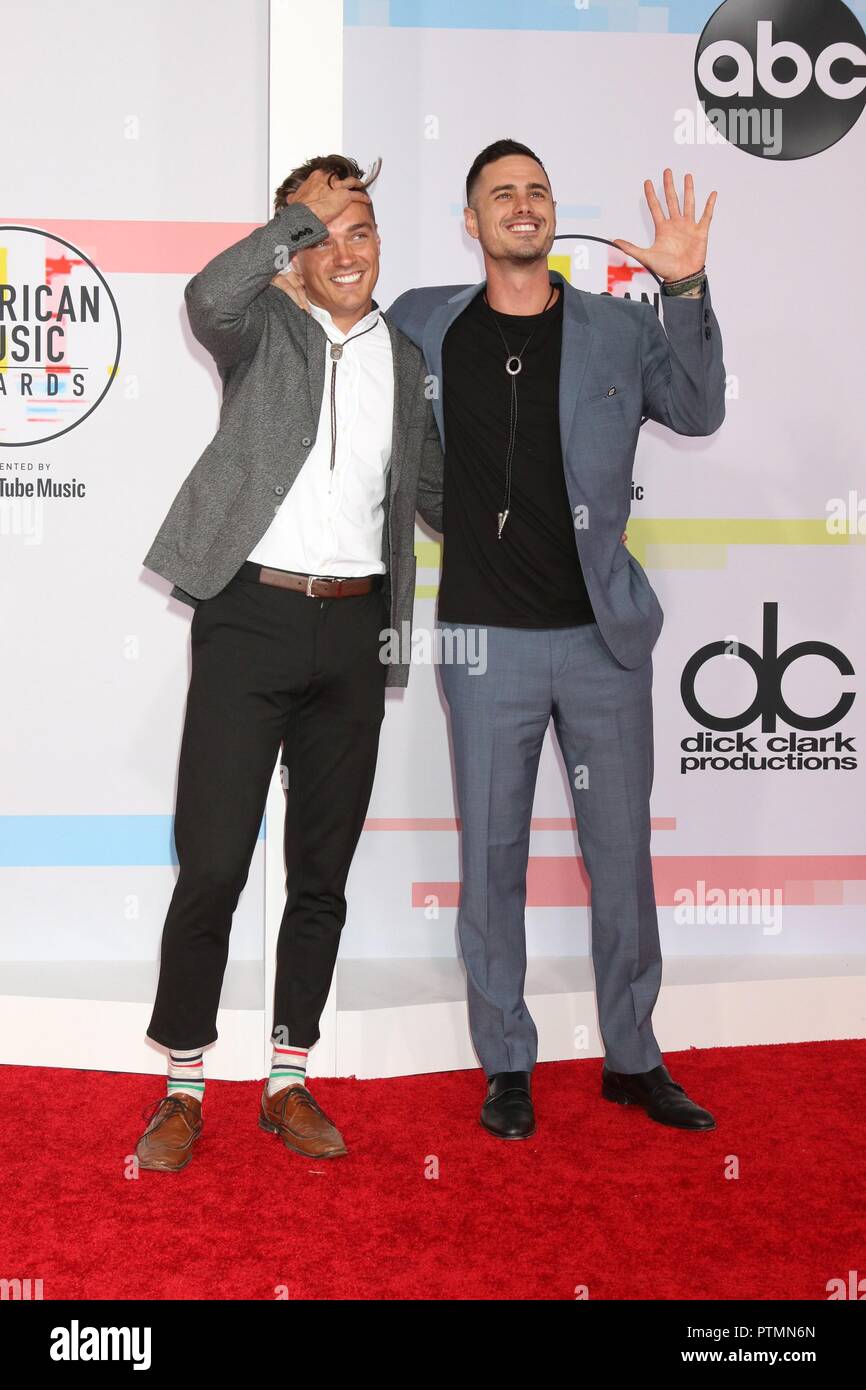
93	841
602	16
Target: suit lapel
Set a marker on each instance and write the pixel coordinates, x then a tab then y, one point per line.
402	405
316	341
434	335
577	342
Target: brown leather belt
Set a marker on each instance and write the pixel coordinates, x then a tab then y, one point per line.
313	585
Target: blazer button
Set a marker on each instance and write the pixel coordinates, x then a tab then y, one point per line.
708	333
706	316
306	441
279	490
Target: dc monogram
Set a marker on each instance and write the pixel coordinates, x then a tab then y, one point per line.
780	79
769	667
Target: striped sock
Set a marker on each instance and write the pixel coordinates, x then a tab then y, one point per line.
186	1073
288	1068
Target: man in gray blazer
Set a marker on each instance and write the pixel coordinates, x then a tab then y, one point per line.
543	389
293	539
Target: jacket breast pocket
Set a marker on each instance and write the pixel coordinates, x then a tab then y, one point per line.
611	383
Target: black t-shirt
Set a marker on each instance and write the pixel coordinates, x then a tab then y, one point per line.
531	578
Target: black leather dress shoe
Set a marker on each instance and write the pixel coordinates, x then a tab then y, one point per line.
660	1096
507	1111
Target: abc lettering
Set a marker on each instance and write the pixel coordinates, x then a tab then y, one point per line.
768	53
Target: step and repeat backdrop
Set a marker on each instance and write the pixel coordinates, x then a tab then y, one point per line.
150	156
754	538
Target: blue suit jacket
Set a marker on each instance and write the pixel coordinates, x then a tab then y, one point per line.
618	366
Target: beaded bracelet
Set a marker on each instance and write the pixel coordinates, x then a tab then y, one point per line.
688	282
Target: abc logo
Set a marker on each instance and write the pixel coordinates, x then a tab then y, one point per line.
782	78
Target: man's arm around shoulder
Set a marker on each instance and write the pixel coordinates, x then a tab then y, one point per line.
412	309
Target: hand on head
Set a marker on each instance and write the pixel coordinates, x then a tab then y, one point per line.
328	196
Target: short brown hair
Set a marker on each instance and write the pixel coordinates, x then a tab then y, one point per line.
340	165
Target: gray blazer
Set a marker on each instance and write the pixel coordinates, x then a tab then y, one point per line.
618	365
271	359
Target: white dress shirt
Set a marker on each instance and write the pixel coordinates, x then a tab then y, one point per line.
331	524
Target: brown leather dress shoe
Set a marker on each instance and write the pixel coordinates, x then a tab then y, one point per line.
175	1124
301	1123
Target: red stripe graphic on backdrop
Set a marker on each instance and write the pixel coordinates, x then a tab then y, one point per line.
142	248
803	879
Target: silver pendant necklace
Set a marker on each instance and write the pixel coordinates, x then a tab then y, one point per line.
513	366
335	354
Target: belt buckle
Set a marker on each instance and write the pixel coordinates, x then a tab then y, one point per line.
312	580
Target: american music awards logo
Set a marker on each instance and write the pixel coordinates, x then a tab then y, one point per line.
787	738
59	336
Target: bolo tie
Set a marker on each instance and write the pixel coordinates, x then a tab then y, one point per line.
513	366
336	353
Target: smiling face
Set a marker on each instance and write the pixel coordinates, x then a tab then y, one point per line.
340	273
513	214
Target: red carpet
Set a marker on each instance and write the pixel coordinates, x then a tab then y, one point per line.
601	1196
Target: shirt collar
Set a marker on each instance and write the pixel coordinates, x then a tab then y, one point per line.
336	334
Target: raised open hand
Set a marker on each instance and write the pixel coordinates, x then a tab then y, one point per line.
680	247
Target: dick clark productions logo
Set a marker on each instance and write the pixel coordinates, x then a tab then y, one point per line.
782	79
729	749
59	336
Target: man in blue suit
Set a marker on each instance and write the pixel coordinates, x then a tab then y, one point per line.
540	391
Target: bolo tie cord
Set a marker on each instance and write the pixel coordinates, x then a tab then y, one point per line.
513	372
336	354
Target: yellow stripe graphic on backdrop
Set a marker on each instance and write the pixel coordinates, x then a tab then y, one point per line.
562	264
690	543
702	542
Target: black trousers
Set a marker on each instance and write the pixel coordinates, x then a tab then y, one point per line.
271	669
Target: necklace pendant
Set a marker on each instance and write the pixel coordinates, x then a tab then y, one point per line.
336	351
513	364
501	517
